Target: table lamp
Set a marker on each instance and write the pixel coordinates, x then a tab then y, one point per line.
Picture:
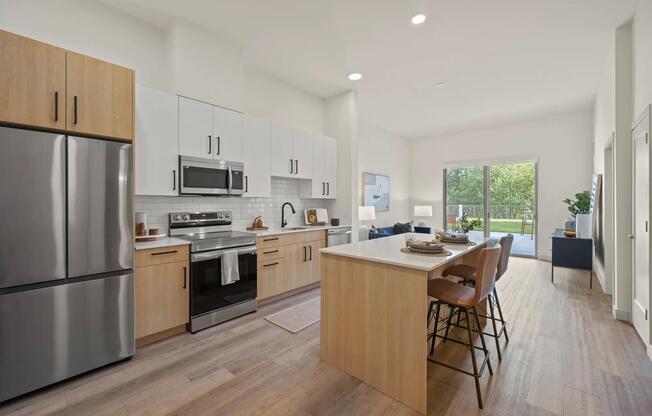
423	211
365	213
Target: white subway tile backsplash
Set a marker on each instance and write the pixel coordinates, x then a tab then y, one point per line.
244	209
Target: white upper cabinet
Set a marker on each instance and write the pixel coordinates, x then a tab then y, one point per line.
227	133
324	170
291	152
157	142
195	128
257	157
302	154
282	151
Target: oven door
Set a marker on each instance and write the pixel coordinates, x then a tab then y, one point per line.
207	293
236	178
203	176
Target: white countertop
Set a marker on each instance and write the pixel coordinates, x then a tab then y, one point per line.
161	242
388	250
278	231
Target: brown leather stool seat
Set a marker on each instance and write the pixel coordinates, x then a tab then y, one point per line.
452	293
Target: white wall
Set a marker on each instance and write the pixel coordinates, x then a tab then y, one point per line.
388	154
185	58
642	56
562	144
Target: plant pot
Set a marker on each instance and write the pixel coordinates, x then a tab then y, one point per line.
583	225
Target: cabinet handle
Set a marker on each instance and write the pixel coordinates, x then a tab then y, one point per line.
246	184
323	188
271	264
296	171
218	145
271	239
56	106
74	106
305	253
291	166
270	252
174	179
164	252
210	144
310	253
328	188
185	280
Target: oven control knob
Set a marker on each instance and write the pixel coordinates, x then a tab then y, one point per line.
220	215
186	217
176	218
227	215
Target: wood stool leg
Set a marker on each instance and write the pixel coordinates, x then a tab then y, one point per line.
493	322
500	314
476	375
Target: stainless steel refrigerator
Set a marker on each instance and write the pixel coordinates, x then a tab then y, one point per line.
66	257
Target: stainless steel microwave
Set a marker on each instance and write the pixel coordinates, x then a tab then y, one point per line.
199	176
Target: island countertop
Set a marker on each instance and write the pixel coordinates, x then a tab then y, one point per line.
387	250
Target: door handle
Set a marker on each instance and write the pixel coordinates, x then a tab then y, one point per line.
174	179
210	144
185	280
56	106
74	105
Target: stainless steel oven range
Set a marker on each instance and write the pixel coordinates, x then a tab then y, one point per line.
222	267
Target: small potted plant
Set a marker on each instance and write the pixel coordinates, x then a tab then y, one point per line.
579	209
466	224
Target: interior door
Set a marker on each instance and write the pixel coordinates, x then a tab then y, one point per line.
227	129
100	97
157	132
33	82
641	252
257	157
195	128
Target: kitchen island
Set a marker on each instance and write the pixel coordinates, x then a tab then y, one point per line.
374	304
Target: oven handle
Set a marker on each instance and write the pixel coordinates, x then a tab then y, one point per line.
210	255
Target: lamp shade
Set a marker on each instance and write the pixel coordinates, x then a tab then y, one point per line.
366	213
423	210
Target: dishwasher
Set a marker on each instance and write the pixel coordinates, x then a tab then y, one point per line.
337	236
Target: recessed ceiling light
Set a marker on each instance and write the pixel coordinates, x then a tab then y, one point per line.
440	84
355	76
418	19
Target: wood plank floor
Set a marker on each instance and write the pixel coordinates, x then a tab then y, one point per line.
566	356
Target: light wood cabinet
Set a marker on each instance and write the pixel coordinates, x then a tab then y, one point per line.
157	135
162	292
32	82
288	262
99	97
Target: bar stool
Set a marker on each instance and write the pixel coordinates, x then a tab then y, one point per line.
465	299
468	275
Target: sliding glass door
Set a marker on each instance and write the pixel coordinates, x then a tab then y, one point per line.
493	200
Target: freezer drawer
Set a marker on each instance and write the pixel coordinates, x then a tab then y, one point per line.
32	203
56	332
100	206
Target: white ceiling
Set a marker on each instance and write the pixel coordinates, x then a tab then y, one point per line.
500	59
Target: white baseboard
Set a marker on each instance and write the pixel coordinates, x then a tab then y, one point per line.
622	315
649	352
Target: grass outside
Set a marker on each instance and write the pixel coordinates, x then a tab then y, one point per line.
503	225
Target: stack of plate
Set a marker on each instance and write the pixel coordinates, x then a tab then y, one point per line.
426	247
453	238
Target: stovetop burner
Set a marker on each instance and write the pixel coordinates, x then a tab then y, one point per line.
208	230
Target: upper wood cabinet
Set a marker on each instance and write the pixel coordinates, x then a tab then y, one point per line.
100	97
32	82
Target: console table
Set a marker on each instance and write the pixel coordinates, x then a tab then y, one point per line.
572	253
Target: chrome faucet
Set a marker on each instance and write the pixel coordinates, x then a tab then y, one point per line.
283	222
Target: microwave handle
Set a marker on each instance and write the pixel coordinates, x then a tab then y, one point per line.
229	178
